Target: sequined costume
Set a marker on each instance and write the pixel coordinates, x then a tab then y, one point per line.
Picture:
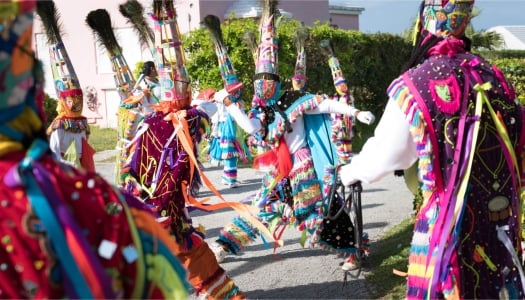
227	144
162	170
66	232
69	131
455	116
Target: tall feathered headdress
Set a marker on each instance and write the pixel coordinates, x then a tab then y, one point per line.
100	22
134	12
327	48
268	49
64	76
170	59
229	77
267	83
299	77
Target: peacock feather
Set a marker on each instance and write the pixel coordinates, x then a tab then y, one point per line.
49	15
134	12
100	22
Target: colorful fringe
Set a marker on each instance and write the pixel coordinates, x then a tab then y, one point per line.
228	145
237	235
419	276
206	276
129	119
74	125
229	174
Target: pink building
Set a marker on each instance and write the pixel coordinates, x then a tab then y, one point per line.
92	64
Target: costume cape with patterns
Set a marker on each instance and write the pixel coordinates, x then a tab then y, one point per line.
464	122
298	197
163	170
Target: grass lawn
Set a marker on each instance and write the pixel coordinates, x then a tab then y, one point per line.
389	253
102	138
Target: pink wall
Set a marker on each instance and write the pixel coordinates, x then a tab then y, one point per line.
80	45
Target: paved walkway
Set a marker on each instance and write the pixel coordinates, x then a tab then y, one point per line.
293	272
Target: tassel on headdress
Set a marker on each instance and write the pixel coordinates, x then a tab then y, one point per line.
299	77
229	77
100	22
170	59
134	12
65	78
341	124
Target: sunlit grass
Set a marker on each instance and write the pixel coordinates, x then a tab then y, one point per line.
389	253
102	138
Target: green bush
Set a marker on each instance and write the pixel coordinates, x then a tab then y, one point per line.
50	109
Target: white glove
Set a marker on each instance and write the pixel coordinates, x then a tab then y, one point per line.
220	96
345	174
366	117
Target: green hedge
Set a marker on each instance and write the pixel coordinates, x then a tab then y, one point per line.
369	62
50	109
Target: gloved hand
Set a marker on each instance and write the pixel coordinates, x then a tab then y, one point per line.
366	117
345	174
220	96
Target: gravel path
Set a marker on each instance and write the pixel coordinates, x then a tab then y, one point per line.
293	272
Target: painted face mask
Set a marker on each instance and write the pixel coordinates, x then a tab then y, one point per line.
265	88
298	83
446	17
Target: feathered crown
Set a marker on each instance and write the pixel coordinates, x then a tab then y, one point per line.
170	59
299	77
327	48
64	76
229	77
100	22
445	17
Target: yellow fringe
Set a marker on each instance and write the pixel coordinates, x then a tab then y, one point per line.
27	123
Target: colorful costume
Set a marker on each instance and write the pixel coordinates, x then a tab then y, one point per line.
69	131
227	145
455	116
130	113
295	126
66	233
342	132
162	170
